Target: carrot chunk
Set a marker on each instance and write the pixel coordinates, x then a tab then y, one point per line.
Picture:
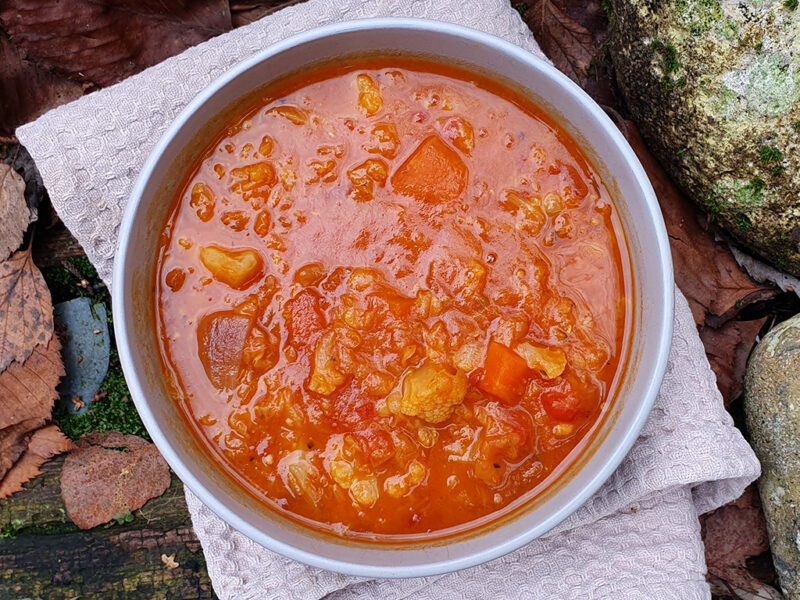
504	373
433	173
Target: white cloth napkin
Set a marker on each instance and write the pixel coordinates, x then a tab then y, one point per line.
637	538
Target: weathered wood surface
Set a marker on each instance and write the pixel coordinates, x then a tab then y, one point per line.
53	246
45	556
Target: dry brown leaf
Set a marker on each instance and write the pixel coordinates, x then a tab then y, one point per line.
14	440
244	13
705	271
566	42
111	474
14	212
27	389
724	589
44	444
105	41
728	349
732	534
28	90
26	312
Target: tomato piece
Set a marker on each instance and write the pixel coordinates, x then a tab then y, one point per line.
561	406
304	317
434	172
504	373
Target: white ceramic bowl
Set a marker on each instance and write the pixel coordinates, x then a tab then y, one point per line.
146	213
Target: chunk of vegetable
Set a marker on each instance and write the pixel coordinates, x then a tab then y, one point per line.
301	477
365	176
460	133
304	316
386	140
433	173
236	268
296	116
235	219
202	201
504	373
310	274
369	96
254	176
529	210
325	374
365	491
175	279
432	390
221	338
561	406
550	362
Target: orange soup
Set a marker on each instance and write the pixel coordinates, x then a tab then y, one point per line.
391	298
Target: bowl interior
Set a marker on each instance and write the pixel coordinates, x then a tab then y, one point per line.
652	293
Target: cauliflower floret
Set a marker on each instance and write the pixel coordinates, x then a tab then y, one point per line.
550	362
432	390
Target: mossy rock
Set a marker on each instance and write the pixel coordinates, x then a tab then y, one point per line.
714	86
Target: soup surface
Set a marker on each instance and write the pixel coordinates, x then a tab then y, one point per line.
391	298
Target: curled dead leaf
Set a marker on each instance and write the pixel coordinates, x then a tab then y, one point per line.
14	212
728	349
732	534
244	13
26	312
28	90
14	440
28	389
105	41
566	42
110	474
44	444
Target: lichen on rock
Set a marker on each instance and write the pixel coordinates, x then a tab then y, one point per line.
714	86
772	409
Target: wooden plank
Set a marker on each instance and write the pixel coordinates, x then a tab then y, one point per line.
43	556
53	245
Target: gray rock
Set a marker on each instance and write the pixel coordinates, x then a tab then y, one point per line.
714	86
772	408
84	329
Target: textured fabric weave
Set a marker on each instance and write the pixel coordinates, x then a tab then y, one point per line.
637	538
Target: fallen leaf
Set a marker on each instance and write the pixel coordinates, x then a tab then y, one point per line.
18	158
14	440
14	213
566	42
169	561
105	41
44	444
705	271
244	13
728	349
27	389
28	90
732	534
110	474
26	313
724	589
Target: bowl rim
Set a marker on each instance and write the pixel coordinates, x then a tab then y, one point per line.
513	542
